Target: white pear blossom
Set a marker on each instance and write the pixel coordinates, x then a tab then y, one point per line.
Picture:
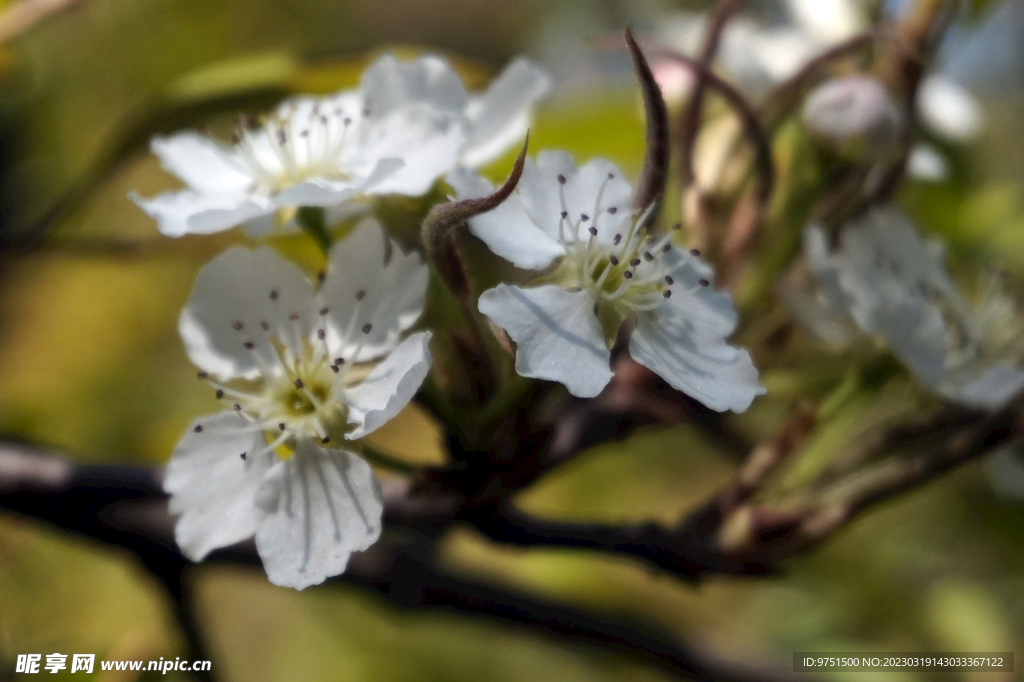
299	372
893	284
404	127
607	269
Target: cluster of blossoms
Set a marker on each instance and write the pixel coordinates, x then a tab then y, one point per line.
302	366
305	368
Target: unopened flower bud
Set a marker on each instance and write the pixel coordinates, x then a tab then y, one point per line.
856	117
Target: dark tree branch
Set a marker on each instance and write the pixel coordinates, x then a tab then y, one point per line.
125	507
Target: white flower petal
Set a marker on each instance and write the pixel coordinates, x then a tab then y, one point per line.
389	297
389	85
926	163
389	387
233	295
539	188
201	163
428	142
914	330
694	360
260	226
321	192
508	229
313	511
828	20
583	189
500	117
983	388
557	334
212	488
189	212
949	109
706	306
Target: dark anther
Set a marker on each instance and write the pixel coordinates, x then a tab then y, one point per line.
273	294
298	383
293	316
677	226
281	426
584	217
616	240
249	345
613	209
613	260
666	248
561	179
334	368
592	231
264	325
668	293
220	394
611	176
564	215
339	361
648	257
669	281
323	311
703	282
627	274
360	295
238	408
347	121
199	428
202	375
326	439
321	276
367	327
242	456
694	252
321	334
237	326
635	262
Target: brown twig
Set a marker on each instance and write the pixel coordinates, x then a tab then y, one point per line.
752	128
689	120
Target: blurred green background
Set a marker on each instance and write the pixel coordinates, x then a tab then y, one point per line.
91	365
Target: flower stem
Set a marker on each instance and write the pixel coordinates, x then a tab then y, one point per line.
311	218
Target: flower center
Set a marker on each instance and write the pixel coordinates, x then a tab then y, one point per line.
635	272
300	391
288	148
